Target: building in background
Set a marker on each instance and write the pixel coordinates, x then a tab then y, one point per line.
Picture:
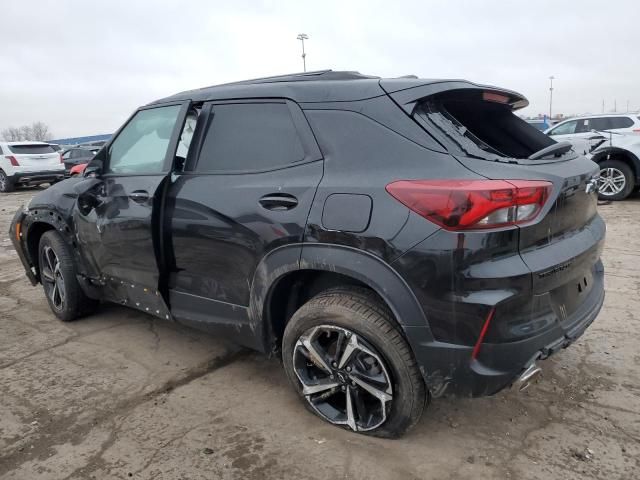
79	140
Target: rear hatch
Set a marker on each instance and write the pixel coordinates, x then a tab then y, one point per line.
476	124
35	157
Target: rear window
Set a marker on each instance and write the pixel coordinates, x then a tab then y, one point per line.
480	128
34	149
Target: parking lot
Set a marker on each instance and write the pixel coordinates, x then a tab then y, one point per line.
121	395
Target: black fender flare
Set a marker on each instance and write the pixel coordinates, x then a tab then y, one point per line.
352	262
603	154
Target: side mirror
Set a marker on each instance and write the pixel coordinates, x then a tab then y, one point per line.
94	169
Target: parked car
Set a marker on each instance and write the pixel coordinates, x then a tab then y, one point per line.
541	124
78	155
393	240
28	163
613	142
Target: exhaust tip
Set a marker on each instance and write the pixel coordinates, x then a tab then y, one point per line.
531	373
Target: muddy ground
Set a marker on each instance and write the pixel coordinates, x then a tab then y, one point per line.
121	395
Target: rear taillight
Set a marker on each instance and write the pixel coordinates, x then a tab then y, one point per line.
13	160
473	204
637	130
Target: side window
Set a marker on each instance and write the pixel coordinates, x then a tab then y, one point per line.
141	146
66	155
584	125
602	123
620	122
565	128
250	136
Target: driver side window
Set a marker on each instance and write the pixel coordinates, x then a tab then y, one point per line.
142	145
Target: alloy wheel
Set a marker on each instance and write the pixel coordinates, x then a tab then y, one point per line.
52	278
3	182
612	181
343	378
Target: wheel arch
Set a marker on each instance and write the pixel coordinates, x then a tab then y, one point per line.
290	275
39	221
621	154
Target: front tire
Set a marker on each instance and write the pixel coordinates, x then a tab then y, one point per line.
6	185
616	180
58	276
351	364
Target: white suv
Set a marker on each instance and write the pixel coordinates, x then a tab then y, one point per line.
613	142
28	163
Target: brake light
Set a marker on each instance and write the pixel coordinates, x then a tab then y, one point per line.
494	97
13	160
637	130
473	204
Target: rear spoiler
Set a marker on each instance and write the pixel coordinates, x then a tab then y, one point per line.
408	92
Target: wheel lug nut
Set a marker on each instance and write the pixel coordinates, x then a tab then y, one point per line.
343	388
348	369
334	364
331	377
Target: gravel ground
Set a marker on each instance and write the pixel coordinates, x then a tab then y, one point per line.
121	395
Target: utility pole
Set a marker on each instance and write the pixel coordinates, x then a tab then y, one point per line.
551	97
615	106
302	37
603	105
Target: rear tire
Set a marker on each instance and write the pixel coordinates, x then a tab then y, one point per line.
58	277
617	180
341	320
6	184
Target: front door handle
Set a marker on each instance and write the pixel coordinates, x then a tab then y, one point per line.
278	201
139	196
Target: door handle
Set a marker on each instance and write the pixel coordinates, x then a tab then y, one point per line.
139	196
278	201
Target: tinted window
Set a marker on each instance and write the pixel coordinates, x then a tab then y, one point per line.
601	123
250	137
620	122
34	149
565	128
142	145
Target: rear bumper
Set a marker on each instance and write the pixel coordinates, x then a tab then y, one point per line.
449	369
31	178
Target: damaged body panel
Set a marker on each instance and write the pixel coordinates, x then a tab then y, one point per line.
416	222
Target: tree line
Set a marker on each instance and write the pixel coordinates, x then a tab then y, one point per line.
37	131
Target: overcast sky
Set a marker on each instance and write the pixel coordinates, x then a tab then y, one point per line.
82	67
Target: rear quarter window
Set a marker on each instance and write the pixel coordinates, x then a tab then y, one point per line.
250	137
34	149
620	122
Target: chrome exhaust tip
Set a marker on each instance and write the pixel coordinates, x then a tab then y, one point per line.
527	377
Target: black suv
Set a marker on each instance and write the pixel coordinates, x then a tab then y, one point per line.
392	239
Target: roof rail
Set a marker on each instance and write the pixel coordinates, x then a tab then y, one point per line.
302	76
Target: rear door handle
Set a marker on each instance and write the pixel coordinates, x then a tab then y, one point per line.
139	196
278	201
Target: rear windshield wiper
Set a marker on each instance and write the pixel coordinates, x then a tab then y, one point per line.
557	150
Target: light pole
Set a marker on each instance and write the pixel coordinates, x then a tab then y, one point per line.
302	37
551	96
